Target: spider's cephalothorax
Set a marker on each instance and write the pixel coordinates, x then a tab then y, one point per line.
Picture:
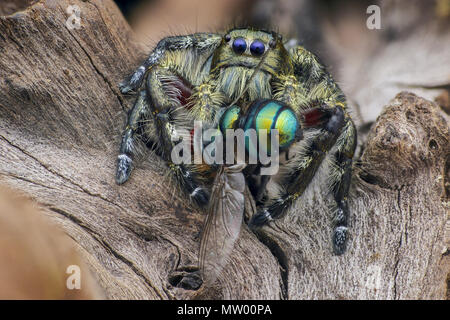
220	78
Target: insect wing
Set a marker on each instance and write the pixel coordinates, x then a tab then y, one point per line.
223	222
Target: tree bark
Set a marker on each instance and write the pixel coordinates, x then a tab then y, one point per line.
61	116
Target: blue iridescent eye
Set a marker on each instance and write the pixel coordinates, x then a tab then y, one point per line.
257	48
239	45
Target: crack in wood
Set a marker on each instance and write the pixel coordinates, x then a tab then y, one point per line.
280	256
107	81
59	174
97	237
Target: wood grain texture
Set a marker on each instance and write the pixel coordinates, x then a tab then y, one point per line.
60	120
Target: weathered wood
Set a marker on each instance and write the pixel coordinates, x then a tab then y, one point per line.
60	119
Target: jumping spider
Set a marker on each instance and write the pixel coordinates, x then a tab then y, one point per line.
199	76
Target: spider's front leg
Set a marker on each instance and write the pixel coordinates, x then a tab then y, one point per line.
165	100
198	43
336	129
314	95
173	125
129	144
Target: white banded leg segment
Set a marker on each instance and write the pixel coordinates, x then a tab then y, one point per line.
196	191
261	218
129	143
124	164
134	81
190	181
200	196
340	239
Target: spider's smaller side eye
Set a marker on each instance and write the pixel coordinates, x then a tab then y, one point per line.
227	38
272	43
239	45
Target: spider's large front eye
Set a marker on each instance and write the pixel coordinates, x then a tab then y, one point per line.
239	45
257	48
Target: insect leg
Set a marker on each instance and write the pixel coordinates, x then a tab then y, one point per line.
129	144
203	42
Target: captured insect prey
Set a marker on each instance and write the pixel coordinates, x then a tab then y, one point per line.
263	115
223	222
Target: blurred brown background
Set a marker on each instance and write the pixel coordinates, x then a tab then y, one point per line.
411	50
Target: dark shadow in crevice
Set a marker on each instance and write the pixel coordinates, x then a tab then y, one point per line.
187	278
279	254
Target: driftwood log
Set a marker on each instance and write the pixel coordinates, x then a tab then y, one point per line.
61	116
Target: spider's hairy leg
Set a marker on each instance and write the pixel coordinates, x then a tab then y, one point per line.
298	173
288	89
322	87
171	121
129	143
202	42
310	71
340	177
311	85
300	170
